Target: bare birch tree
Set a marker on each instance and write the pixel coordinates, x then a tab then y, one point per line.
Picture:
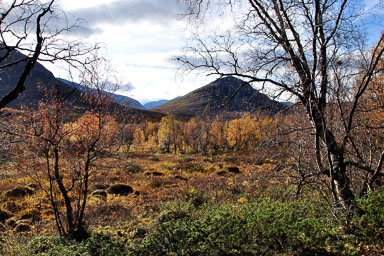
40	31
315	51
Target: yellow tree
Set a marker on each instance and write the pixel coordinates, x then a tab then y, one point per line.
151	135
218	134
191	134
138	137
63	155
62	158
371	117
169	131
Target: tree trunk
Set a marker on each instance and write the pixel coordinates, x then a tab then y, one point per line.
341	183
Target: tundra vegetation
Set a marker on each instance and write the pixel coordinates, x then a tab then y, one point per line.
307	181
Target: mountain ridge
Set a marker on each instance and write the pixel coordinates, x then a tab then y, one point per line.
227	94
120	99
41	80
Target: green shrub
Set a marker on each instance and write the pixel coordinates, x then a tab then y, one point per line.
371	222
259	227
98	244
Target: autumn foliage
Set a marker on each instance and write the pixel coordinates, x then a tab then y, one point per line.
174	136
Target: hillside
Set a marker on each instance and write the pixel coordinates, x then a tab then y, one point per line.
154	104
218	96
120	99
41	78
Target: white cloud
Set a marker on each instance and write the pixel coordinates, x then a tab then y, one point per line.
140	36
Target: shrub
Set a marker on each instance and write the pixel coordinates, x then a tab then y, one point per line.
371	222
259	227
98	244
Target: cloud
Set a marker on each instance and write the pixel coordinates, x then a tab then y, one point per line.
134	11
85	31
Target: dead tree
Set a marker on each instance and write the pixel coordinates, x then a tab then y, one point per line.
313	50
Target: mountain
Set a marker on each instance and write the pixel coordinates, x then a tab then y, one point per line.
120	99
221	95
40	79
287	103
154	104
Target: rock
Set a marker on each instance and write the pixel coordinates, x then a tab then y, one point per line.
4	216
233	169
33	215
11	206
153	173
179	177
19	192
120	189
23	227
221	173
100	193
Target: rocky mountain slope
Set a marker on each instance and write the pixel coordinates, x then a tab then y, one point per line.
227	94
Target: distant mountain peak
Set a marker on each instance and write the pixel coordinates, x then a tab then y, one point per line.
229	79
222	94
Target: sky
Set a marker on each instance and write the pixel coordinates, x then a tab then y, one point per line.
140	39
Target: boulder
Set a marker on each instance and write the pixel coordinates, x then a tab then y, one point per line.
19	192
23	227
4	215
100	193
153	173
179	177
11	206
233	169
221	173
33	216
120	189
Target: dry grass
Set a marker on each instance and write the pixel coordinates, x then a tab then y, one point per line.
179	176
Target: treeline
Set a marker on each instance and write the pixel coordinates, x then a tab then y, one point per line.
199	136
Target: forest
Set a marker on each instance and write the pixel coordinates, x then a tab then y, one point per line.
82	174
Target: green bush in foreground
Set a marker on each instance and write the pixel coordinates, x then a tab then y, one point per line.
260	227
98	244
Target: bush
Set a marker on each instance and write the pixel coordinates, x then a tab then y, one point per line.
98	244
259	227
371	222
